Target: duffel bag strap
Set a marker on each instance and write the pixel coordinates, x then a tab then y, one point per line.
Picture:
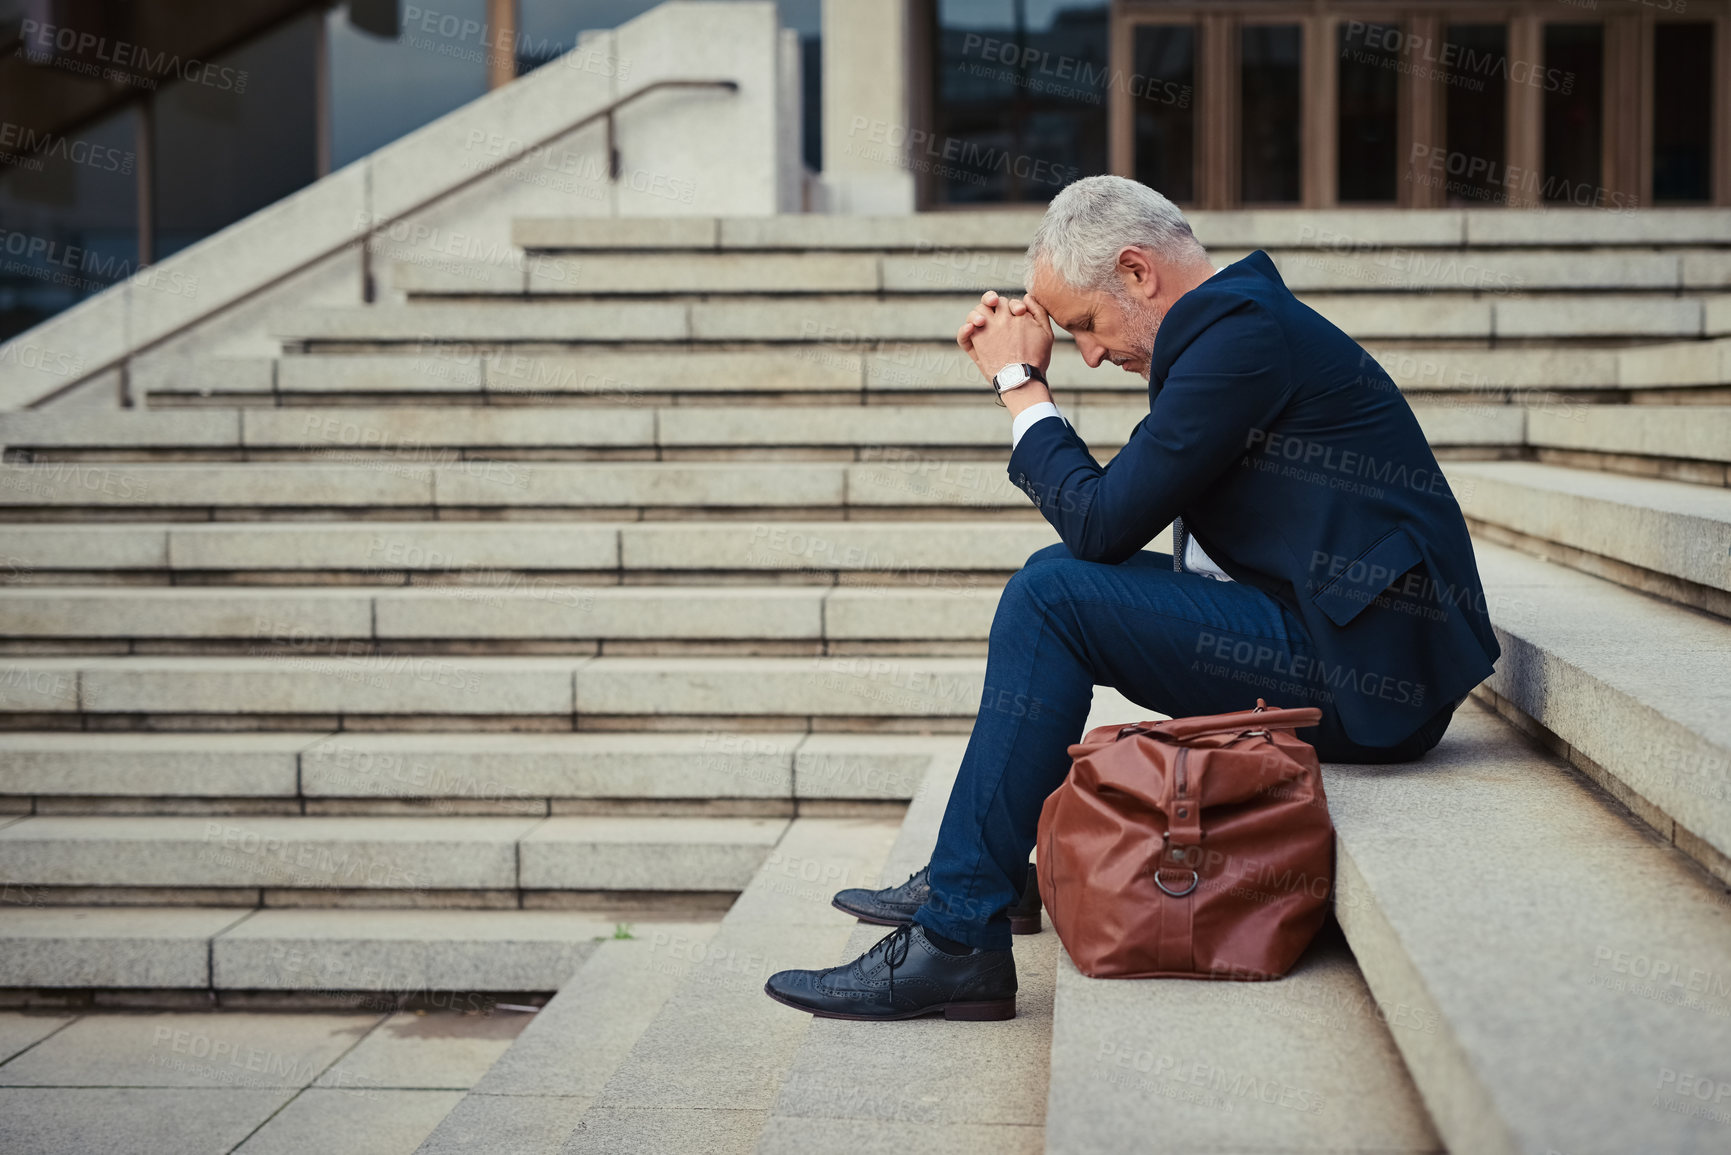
1261	718
1178	871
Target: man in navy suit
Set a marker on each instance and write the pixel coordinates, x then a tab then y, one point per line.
1321	560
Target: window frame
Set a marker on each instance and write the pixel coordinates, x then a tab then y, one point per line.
1626	148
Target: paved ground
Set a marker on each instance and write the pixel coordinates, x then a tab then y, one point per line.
191	1083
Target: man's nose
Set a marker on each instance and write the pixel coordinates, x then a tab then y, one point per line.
1093	352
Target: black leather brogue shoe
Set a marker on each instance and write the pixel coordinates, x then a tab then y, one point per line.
903	977
891	906
895	905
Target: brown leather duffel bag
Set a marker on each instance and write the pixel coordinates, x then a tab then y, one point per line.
1191	848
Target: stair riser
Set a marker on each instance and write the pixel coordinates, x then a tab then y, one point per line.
495	560
244	722
414	861
1334	231
933	318
351	626
713	773
1672	589
288	960
625	905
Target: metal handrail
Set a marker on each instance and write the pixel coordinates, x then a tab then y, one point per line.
123	361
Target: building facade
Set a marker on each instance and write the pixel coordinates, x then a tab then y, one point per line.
134	131
1613	104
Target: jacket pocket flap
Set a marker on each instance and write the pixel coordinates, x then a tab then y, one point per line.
1345	595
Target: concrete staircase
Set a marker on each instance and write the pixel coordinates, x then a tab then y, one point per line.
644	578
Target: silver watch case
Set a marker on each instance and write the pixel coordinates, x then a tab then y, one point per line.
1013	377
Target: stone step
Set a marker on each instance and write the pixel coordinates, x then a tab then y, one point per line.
845	370
1667	537
444	434
891	478
88	427
1678	364
536	1092
918	1085
566	692
1341	267
1462	374
202	375
899	479
933	317
545	769
1560	977
833	362
1335	230
835	366
1685	442
395	858
1308	1063
317	621
374	957
942	554
706	1073
1630	689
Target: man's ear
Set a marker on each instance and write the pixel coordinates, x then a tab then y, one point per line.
1137	269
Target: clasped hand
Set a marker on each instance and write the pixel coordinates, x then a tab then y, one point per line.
1003	331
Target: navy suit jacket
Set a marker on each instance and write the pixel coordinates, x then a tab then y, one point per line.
1297	464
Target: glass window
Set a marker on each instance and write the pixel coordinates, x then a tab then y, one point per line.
1574	81
1269	107
1368	112
1682	111
383	87
68	218
225	150
1020	99
1473	168
550	28
1163	108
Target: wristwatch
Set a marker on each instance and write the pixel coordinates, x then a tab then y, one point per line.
1014	377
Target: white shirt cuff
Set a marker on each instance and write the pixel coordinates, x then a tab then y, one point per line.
1026	418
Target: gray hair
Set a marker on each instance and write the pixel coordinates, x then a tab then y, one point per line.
1091	221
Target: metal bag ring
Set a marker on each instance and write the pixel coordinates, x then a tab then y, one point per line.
1195	878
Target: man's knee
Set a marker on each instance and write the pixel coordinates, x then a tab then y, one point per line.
1038	583
1057	551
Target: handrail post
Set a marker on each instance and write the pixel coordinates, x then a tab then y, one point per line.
612	149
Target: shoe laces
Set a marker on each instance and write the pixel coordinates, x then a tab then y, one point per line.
895	946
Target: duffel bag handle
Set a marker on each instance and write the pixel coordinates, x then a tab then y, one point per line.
1263	717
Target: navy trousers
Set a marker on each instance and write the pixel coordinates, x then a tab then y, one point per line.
1175	643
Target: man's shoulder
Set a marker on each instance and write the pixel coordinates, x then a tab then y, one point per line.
1239	310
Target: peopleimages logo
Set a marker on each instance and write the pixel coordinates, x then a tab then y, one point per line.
77	266
973	158
1057	74
131	63
27	355
1487	179
1458	59
22	145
